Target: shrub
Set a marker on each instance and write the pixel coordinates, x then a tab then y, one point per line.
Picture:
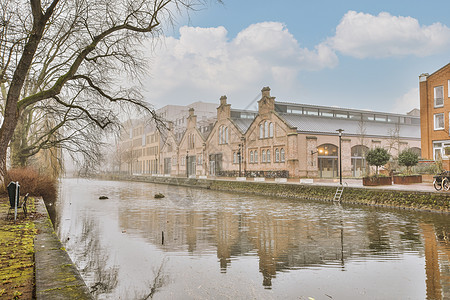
408	158
33	183
377	157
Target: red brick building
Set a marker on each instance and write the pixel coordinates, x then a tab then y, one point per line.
435	115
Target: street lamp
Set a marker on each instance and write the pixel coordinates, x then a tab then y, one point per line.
187	158
340	155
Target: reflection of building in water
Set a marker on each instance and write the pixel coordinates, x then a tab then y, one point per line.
437	258
287	240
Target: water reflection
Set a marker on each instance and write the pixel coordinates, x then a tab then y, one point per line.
294	246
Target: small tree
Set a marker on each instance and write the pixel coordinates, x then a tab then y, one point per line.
377	157
408	158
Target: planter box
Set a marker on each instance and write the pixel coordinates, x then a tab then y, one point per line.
408	179
427	178
374	181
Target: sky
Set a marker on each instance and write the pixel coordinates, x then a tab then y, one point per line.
354	54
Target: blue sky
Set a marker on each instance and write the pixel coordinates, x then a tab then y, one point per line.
354	54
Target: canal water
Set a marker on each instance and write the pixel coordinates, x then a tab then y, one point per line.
202	244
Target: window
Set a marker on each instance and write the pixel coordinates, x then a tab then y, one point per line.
261	131
277	155
282	155
251	156
220	134
439	96
439	121
271	130
234	157
268	155
266	129
448	89
226	135
255	156
263	156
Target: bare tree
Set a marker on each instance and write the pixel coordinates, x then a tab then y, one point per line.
66	61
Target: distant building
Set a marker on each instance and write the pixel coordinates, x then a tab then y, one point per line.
435	115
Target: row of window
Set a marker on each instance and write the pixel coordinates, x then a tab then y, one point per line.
331	113
223	135
266	156
439	95
265	130
191	141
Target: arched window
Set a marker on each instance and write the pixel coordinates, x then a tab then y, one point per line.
255	156
263	156
226	135
220	134
277	155
266	129
234	157
327	160
261	131
251	156
271	130
268	155
282	155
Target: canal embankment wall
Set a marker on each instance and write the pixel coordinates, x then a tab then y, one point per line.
404	199
55	274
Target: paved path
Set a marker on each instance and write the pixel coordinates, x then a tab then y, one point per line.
56	275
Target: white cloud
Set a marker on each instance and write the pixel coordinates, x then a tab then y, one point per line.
203	61
364	35
407	102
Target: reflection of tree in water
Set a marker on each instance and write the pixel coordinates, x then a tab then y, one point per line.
93	260
158	282
377	233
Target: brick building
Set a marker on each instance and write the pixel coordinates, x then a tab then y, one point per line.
435	115
281	139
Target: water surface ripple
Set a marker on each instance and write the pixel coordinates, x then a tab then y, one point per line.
202	244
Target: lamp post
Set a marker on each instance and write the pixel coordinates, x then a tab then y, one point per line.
340	155
239	158
187	158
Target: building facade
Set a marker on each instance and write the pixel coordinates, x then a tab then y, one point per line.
435	115
282	139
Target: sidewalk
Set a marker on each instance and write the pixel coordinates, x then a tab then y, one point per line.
352	182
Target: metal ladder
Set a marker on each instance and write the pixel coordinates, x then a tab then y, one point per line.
338	194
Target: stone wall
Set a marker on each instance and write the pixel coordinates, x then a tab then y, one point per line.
431	201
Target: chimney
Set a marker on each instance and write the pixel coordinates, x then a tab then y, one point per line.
265	92
223	100
192	119
224	110
267	103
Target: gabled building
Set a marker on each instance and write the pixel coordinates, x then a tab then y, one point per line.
226	142
435	115
192	148
272	145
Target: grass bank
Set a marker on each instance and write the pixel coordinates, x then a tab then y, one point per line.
17	252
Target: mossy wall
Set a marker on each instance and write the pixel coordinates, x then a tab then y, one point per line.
434	201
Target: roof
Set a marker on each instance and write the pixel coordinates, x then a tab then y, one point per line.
242	124
282	107
325	125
